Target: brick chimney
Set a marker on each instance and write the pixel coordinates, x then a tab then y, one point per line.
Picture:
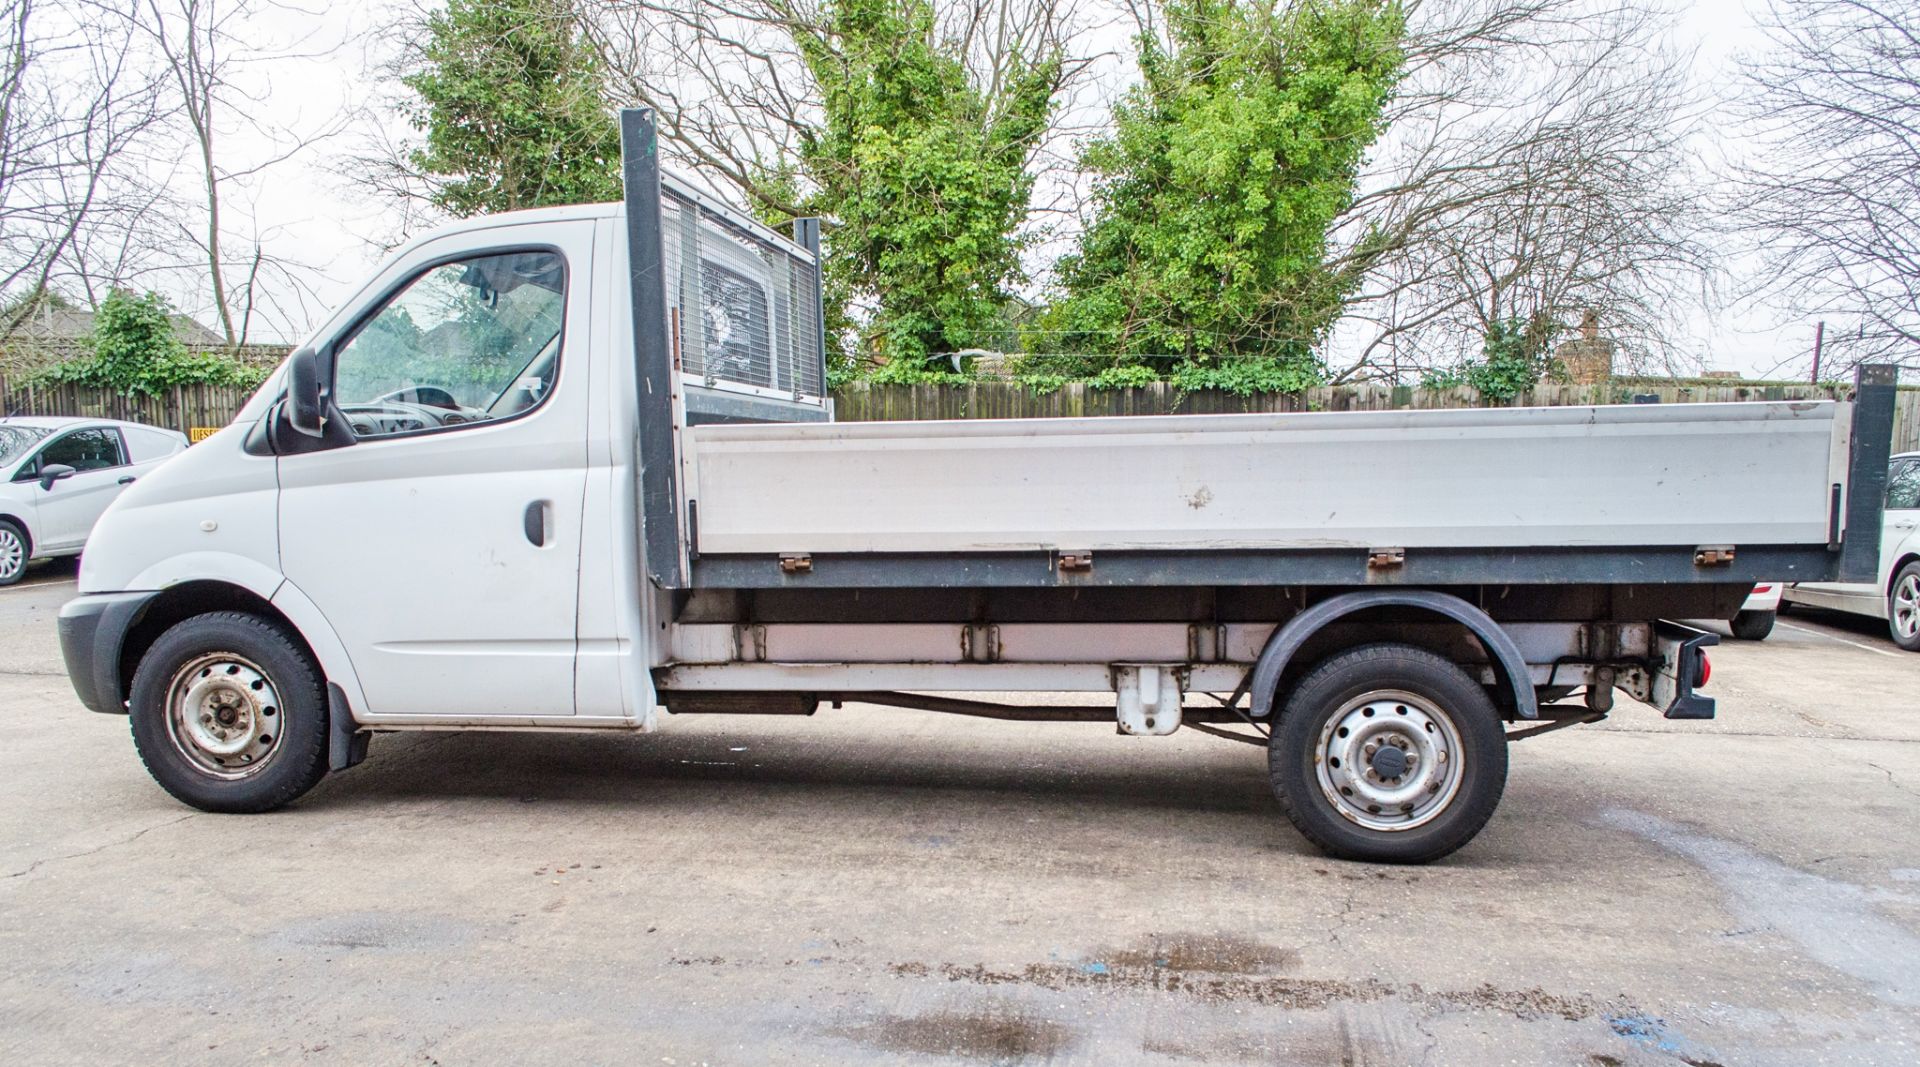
1587	358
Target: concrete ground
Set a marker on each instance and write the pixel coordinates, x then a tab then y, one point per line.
875	886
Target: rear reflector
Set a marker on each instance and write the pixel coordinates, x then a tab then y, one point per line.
1706	670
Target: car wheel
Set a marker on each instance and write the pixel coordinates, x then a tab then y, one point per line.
1388	753
229	713
1752	625
1903	608
13	552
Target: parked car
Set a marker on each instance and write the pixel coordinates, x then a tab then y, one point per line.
58	475
1895	595
1755	619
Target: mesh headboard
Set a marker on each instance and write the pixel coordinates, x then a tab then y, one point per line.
744	308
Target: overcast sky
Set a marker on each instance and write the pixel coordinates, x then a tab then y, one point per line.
308	210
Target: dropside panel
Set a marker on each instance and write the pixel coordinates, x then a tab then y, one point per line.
1676	474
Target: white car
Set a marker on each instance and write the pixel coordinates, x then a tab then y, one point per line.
1895	597
57	475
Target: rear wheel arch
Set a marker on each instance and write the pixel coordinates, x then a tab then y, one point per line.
1279	662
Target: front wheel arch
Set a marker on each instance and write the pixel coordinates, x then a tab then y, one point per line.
178	603
19	527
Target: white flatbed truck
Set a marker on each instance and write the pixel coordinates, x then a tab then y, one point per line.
563	469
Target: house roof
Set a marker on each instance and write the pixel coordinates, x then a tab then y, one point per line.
62	324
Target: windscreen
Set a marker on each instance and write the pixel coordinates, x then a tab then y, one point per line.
17	441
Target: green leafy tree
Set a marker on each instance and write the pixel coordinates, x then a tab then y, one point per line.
1516	354
510	103
924	175
135	350
1214	194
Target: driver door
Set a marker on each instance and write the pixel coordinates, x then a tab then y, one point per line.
444	544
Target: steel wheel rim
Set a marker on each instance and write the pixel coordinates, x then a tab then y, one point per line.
13	554
1347	766
1906	606
224	715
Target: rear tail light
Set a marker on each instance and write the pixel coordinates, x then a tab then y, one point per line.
1763	588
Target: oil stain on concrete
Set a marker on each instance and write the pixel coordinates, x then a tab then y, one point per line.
991	1033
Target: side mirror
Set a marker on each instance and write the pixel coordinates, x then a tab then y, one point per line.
306	407
52	473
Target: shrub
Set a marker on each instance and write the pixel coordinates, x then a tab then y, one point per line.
135	350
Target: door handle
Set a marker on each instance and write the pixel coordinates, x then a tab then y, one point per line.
534	523
128	480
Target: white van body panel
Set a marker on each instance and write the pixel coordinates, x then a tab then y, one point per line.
207	515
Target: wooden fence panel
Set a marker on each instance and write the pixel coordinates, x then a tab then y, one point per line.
867	402
185	408
182	408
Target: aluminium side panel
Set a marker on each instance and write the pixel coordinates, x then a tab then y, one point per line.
1625	475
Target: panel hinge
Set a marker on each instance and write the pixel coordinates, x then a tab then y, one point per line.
796	563
1713	555
1382	558
1076	561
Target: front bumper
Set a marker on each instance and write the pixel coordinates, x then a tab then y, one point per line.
93	629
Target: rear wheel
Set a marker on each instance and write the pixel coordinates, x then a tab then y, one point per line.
1752	625
1388	753
13	552
229	713
1903	608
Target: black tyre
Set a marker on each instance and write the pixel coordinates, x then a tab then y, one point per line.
1752	625
1388	753
229	713
1903	608
14	550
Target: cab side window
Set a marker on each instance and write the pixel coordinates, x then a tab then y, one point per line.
465	342
84	450
1903	485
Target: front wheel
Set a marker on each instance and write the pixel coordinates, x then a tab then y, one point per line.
229	713
1388	753
1903	608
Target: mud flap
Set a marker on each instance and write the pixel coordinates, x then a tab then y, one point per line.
346	742
1681	665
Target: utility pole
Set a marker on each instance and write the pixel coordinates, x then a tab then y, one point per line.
1819	336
